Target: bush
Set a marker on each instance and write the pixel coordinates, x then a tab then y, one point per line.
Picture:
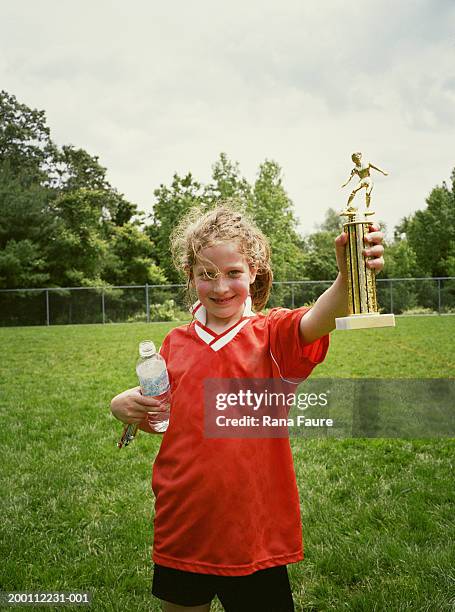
418	311
167	311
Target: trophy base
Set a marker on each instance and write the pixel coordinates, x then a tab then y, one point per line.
365	321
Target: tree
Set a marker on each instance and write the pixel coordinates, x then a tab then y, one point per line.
320	260
170	205
76	248
431	232
130	258
333	222
56	206
80	170
400	261
272	210
22	265
121	210
227	183
24	211
25	224
25	144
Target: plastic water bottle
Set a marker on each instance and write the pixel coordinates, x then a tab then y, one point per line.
154	381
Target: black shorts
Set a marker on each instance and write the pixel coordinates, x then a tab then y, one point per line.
267	590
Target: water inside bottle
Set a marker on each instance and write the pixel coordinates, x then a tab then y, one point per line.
154	381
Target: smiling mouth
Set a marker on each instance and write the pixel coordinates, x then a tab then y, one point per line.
222	301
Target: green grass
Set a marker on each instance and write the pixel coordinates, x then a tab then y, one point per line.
76	513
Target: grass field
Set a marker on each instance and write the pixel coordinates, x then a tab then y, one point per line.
76	513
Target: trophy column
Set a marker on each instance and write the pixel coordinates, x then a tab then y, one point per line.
363	305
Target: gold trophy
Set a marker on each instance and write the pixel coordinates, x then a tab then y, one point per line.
363	305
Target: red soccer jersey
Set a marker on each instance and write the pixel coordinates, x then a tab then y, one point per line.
228	506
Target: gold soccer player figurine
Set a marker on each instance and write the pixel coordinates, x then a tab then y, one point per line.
363	172
363	305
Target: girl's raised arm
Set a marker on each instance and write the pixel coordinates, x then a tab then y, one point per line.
333	303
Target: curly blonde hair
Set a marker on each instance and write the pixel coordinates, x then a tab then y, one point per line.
198	230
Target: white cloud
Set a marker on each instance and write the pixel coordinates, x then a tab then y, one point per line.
154	88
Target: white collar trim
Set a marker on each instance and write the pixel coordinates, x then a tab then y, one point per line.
200	314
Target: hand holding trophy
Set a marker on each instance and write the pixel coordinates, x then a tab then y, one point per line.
363	305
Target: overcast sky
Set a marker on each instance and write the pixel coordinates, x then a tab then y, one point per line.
154	88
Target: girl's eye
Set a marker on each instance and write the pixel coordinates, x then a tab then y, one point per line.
206	276
214	275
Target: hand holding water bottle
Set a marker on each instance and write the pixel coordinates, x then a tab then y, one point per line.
131	406
150	401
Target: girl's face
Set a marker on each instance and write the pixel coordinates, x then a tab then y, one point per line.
223	283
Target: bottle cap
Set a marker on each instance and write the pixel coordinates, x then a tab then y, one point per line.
146	348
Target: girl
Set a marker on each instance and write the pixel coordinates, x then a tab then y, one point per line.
227	513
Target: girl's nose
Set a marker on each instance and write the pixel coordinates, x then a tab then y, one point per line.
220	284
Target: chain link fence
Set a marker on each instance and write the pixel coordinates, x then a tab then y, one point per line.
146	303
